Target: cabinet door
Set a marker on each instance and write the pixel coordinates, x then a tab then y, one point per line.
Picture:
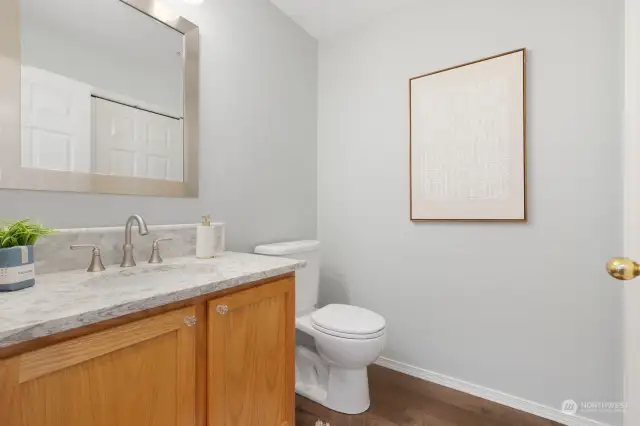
251	357
142	373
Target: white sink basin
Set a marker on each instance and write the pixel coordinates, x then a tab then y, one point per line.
147	273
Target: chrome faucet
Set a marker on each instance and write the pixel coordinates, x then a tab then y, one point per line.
127	259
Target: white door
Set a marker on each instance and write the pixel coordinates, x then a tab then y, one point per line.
626	269
133	142
56	122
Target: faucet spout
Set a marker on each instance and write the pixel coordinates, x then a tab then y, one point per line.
142	227
127	259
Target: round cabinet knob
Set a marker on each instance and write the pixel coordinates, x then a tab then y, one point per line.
622	268
190	321
222	309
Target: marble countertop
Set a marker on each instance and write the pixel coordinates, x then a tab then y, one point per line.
67	300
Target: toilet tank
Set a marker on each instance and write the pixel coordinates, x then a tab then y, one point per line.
307	278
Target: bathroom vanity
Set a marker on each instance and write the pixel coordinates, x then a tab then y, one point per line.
189	342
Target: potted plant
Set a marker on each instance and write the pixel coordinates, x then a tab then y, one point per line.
16	254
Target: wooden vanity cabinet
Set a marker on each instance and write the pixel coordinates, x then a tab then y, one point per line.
198	364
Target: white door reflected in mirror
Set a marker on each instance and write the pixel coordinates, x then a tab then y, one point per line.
136	143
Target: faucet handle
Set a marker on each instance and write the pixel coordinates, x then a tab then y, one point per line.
96	259
155	250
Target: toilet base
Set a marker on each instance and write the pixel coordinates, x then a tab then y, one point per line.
345	390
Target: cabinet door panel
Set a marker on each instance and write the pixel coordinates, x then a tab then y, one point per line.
142	373
251	357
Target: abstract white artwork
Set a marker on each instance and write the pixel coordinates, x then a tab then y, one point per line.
468	141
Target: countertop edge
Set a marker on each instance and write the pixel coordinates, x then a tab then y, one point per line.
51	327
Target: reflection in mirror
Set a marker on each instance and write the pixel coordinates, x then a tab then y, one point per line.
102	90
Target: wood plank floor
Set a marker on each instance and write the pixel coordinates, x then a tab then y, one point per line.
401	400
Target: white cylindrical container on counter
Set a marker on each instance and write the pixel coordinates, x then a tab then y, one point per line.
205	239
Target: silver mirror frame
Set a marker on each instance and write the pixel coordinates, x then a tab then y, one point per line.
14	176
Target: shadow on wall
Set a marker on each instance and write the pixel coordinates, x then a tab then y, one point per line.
333	289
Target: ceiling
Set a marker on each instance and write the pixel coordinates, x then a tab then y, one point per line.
326	18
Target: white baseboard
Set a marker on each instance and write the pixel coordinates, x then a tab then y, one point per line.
489	394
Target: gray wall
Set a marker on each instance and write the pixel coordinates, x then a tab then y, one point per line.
526	309
258	136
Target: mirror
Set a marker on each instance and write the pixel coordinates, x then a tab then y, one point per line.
100	95
108	99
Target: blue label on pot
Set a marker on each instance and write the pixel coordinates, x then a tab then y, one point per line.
17	270
16	256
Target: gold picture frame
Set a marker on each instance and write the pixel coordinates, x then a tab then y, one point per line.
522	215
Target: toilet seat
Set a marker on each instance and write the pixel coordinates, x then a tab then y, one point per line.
348	322
346	335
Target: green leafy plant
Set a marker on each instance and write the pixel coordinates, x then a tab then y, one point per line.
21	233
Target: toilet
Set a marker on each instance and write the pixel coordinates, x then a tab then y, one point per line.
347	338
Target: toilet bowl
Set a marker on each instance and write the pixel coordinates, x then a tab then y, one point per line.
336	375
347	338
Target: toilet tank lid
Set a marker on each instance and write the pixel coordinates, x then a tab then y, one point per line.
291	247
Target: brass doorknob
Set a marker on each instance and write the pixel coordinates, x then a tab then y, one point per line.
622	268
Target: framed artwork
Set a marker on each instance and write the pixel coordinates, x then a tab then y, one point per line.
468	140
